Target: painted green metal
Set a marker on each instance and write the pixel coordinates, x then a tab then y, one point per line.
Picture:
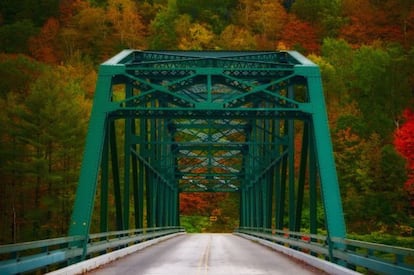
188	121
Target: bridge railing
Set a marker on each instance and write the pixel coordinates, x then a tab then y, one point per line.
375	257
55	253
356	255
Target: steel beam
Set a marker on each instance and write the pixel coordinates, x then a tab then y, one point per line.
212	121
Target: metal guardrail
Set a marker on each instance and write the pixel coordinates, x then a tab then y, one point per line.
382	259
56	253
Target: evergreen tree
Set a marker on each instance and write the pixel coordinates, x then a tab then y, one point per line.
42	154
162	32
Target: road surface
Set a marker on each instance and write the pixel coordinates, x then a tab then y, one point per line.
206	254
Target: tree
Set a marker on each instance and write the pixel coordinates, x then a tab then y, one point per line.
11	156
288	4
324	15
333	85
36	11
340	55
371	178
216	13
17	72
43	46
352	174
408	29
127	27
404	144
201	203
381	86
385	201
193	36
265	20
41	154
85	34
14	37
300	35
162	35
368	22
391	200
193	203
400	13
335	63
236	38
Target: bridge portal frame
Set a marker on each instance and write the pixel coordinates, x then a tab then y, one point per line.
208	121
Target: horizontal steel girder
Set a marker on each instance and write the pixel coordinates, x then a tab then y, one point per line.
241	113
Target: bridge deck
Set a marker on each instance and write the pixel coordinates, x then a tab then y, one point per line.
218	254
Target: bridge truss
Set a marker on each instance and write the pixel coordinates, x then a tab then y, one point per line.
165	122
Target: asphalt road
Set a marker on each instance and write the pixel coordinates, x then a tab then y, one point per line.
206	254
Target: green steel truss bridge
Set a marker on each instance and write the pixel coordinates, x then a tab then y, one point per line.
167	122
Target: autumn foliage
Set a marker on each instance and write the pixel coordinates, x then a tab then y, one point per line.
42	46
200	203
404	143
300	34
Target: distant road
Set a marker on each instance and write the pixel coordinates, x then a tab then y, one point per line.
206	254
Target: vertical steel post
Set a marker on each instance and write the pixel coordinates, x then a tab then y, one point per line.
291	169
127	161
148	175
277	177
313	198
142	190
115	175
85	194
136	183
281	192
104	185
268	152
329	181
302	176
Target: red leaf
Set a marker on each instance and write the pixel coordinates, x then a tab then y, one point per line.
404	144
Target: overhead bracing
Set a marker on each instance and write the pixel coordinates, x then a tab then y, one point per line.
165	122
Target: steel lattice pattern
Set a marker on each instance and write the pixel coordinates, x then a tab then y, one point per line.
168	122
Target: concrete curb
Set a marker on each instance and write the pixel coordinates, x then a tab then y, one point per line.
328	267
96	262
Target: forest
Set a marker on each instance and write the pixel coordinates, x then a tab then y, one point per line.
50	51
